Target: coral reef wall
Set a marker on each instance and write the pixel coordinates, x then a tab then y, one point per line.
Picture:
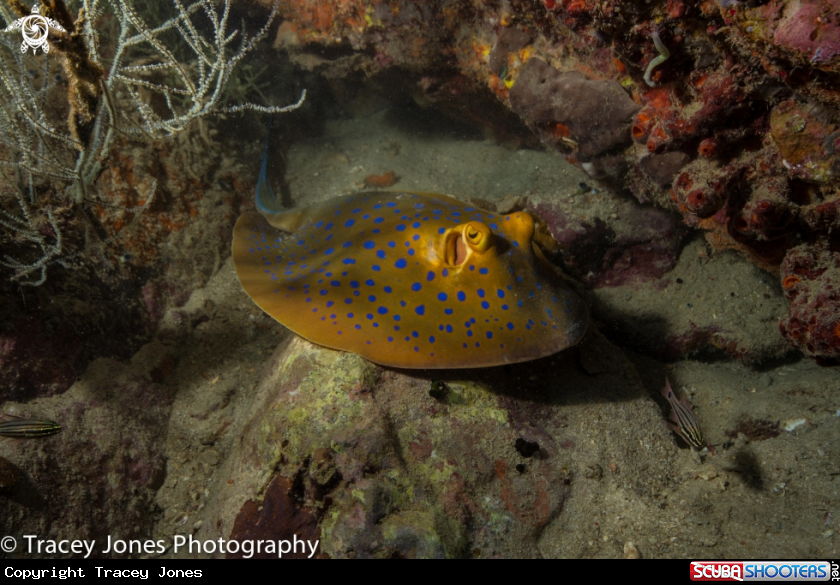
724	111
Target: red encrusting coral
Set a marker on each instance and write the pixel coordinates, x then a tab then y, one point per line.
810	276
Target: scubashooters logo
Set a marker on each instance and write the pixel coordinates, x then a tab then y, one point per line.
35	29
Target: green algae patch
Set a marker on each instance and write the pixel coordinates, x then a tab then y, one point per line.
474	403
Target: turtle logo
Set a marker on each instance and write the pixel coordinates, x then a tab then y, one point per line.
35	29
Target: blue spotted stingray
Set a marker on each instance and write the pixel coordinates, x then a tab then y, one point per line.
409	280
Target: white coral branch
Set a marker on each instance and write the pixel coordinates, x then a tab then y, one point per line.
190	77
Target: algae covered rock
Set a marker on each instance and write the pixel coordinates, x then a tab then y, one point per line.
375	462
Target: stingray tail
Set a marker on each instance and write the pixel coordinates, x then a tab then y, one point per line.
266	201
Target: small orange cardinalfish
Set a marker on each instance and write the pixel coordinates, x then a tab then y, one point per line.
14	427
685	423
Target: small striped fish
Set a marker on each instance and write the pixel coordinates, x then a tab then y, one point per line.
685	424
15	427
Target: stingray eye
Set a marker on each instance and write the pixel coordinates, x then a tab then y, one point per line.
477	236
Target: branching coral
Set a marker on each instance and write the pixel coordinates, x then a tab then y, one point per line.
146	80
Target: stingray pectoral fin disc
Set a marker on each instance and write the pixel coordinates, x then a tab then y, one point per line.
372	273
256	247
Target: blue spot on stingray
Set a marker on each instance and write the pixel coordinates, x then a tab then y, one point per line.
401	263
420	310
448	311
390	338
489	335
372	299
469	332
335	283
480	293
323	292
358	326
369	282
375	231
375	268
504	307
442	296
402	303
328	226
382	310
390	204
356	211
348	261
330	304
441	230
348	301
400	228
354	284
485	305
431	339
300	243
519	303
319	224
328	251
369	316
379	220
377	206
461	296
430	276
391	244
416	286
501	293
397	317
510	326
449	328
380	254
416	237
349	315
472	267
411	252
483	271
369	245
366	216
415	225
387	289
